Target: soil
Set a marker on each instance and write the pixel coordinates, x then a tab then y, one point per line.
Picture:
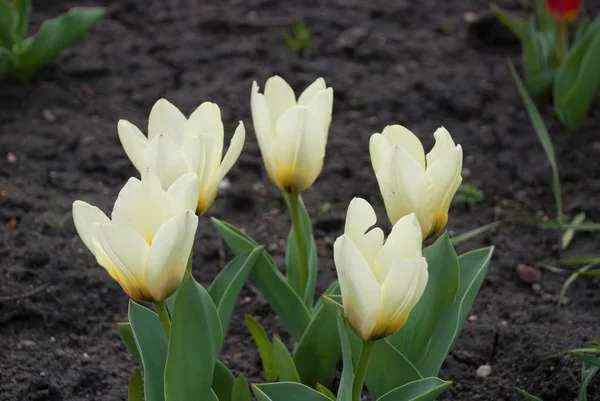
415	63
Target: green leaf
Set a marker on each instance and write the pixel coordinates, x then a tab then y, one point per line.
582	29
286	369
194	345
285	302
241	390
135	387
318	352
527	395
54	35
150	340
589	359
427	389
587	377
325	391
473	266
287	392
577	79
226	287
545	20
567	237
515	24
537	52
346	381
9	20
126	334
23	8
222	382
265	349
444	273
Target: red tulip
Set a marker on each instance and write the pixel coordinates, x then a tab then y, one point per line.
563	10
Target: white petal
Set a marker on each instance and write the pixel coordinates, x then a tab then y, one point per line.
122	252
379	147
166	119
443	144
134	143
299	149
279	96
403	137
321	106
360	218
191	151
184	192
264	132
311	91
206	120
165	159
169	253
84	217
361	293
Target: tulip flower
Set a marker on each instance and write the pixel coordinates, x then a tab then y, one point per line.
292	134
176	145
380	282
563	11
146	244
411	182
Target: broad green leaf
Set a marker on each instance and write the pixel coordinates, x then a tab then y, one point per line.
286	369
9	20
54	35
195	344
285	302
536	59
473	266
577	80
545	20
517	25
540	85
241	390
222	382
226	287
325	391
530	397
287	392
318	352
265	349
126	334
582	29
135	387
151	342
427	389
444	273
346	381
23	8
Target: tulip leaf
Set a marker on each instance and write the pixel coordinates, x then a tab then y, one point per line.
126	334
317	353
135	387
577	80
287	392
325	391
23	8
346	381
9	20
226	287
545	20
582	29
285	302
222	382
286	369
538	50
444	274
427	389
473	266
151	342
530	397
265	349
194	345
517	25
240	390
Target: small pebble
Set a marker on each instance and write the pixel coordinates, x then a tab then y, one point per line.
52	339
529	274
470	17
11	158
247	300
472	318
466	172
225	184
504	323
484	371
48	116
28	343
86	356
536	287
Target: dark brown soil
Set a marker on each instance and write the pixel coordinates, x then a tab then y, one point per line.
415	63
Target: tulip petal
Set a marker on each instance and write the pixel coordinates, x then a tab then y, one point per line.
279	96
184	193
134	143
191	151
169	253
299	149
264	132
206	120
321	106
233	152
443	144
360	218
406	139
361	293
379	146
84	217
166	119
122	252
311	91
165	159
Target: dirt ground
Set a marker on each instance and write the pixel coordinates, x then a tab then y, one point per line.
414	63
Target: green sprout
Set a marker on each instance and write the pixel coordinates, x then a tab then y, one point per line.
468	194
297	37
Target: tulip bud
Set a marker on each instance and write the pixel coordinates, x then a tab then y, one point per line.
146	245
380	282
292	134
177	145
411	182
563	11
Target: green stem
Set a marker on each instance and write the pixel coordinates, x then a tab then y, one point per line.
562	41
294	203
361	370
165	320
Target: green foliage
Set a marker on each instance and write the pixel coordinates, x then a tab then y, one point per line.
265	349
468	194
135	387
286	369
223	382
23	57
298	38
240	390
287	392
427	389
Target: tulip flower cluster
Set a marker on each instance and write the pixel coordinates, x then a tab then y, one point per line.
391	317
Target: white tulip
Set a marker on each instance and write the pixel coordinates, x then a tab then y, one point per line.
146	244
291	134
411	182
176	145
380	282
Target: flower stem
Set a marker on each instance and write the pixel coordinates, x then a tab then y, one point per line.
165	320
361	369
294	204
562	41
